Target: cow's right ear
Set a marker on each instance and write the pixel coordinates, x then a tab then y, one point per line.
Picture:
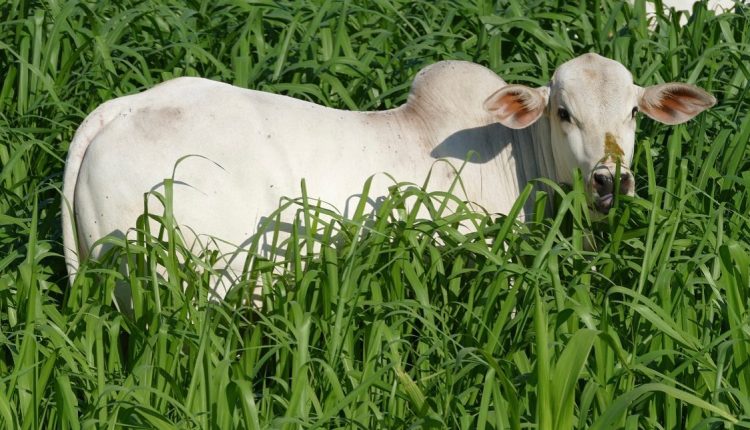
674	102
517	106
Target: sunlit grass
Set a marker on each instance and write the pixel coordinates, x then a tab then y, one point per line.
395	321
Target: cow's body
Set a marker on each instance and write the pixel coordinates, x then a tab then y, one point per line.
266	144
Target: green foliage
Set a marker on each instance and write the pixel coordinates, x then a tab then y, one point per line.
639	321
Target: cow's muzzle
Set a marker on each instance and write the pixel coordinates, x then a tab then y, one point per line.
603	186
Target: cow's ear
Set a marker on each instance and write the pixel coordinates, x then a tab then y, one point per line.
517	106
674	103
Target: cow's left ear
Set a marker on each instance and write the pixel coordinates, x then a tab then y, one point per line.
674	103
517	106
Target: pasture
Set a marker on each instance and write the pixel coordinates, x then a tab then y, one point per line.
639	320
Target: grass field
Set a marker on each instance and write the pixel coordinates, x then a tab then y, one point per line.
411	324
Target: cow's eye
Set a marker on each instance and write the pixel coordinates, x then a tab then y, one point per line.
635	111
563	114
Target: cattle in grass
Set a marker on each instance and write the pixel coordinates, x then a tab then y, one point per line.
253	148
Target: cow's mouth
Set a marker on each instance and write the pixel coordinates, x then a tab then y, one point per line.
604	203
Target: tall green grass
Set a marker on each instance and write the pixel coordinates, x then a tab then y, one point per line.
638	321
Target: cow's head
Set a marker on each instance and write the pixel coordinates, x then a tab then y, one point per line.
592	104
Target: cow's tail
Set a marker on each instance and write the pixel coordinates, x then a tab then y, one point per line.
87	131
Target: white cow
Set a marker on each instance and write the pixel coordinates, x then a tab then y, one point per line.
718	6
685	7
266	143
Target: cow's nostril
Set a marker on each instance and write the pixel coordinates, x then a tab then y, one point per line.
603	179
625	177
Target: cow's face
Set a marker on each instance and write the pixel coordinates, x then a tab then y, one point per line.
592	104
